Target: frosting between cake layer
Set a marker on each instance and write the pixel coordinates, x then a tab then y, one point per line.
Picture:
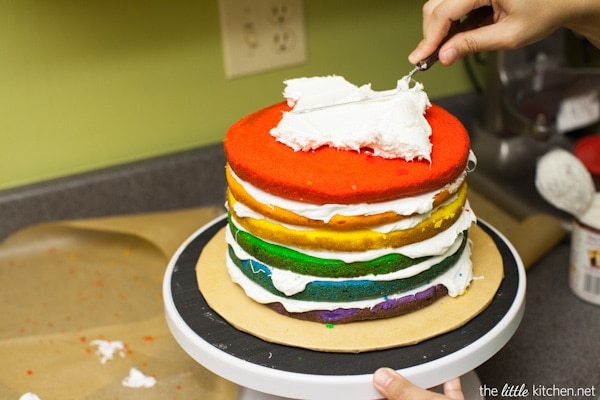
386	309
243	211
419	204
285	258
409	222
358	240
390	124
456	279
435	245
290	283
345	290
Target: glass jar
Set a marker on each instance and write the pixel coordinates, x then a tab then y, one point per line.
584	272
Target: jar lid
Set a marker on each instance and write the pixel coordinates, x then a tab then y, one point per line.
587	150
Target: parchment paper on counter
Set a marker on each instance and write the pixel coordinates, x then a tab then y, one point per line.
65	284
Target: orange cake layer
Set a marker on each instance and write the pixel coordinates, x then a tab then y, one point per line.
355	240
337	222
328	175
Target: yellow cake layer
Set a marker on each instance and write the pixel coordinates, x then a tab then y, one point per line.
337	222
356	240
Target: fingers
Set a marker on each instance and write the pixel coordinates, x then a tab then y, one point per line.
509	32
513	27
438	15
395	387
434	30
470	42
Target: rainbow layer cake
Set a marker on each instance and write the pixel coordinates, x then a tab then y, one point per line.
343	210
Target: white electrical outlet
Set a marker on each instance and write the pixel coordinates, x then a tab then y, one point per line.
261	35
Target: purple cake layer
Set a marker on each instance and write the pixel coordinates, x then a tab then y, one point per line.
385	309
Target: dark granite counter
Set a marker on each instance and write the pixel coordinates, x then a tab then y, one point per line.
556	344
555	347
184	180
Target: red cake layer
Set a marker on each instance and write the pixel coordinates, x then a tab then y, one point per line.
328	175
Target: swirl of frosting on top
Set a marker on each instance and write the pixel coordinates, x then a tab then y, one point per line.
330	111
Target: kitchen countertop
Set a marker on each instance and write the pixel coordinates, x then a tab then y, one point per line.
555	346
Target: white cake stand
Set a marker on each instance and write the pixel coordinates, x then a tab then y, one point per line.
266	371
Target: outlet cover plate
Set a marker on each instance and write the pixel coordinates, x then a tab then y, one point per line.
261	35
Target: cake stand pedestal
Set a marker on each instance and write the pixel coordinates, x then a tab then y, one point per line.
264	370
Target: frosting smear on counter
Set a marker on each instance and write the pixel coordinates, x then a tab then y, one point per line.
330	111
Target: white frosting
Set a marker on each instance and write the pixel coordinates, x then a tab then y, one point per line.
456	280
435	245
420	204
391	123
243	211
106	350
29	396
290	283
136	379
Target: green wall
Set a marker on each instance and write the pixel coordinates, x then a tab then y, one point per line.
90	84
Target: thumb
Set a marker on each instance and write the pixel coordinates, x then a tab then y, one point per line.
453	389
395	387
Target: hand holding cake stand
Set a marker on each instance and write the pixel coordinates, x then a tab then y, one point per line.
265	369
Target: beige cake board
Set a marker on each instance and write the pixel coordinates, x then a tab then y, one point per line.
447	314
